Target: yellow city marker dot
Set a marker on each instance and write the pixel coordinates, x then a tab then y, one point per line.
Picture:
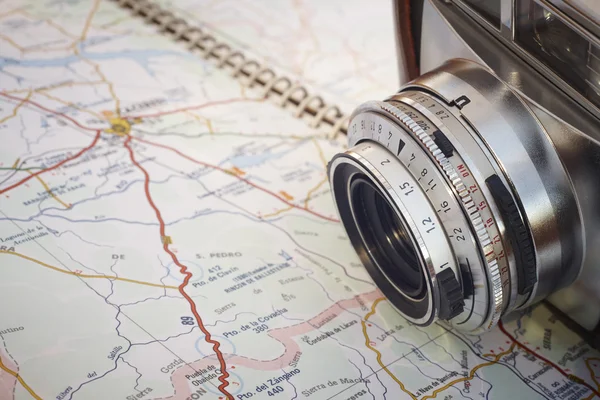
118	125
286	195
166	240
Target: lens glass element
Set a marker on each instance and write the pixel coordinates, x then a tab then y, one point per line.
385	236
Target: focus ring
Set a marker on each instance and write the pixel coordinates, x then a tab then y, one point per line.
469	205
433	112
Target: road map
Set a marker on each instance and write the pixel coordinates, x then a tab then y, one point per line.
165	233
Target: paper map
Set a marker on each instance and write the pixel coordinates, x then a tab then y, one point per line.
167	234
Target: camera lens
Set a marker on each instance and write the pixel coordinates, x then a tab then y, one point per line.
386	238
456	201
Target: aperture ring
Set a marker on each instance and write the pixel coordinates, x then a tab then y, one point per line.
383	129
471	209
470	155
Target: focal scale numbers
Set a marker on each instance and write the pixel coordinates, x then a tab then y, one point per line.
420	175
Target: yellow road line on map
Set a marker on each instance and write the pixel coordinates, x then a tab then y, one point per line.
209	126
88	22
320	150
592	374
10	12
82	37
12	42
313	190
20	379
441	389
64	271
58	27
201	119
472	373
368	344
111	88
273	214
110	26
16	109
324	180
49	191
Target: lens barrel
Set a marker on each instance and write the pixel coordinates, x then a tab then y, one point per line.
385	235
452	196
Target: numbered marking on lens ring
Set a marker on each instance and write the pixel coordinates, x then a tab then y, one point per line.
433	111
489	276
451	126
427	176
412	203
362	164
472	207
476	207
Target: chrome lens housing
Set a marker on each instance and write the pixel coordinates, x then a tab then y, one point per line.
456	201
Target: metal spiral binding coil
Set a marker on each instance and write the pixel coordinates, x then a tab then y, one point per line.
250	72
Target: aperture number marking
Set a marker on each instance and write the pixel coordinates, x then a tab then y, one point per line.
407	188
459	237
379	128
428	222
441	114
431	187
412	158
444	207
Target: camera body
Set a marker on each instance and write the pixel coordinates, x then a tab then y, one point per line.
505	123
571	122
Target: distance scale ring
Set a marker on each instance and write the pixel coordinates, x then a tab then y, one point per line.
475	206
480	169
410	152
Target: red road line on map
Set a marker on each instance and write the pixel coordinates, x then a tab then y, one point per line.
544	359
33	175
209	104
316	214
284	336
48	110
184	271
94	142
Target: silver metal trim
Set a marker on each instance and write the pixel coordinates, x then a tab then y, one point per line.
515	48
485	269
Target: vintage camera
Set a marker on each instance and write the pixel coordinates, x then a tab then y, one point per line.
475	190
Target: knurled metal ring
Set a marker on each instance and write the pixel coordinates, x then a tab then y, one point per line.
469	207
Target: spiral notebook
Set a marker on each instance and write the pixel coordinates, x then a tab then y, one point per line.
166	225
250	72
